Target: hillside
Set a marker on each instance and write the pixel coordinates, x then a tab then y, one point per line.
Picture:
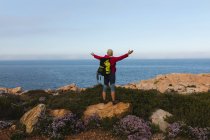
78	114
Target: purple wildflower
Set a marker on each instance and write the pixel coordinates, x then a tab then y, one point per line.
5	124
42	99
199	133
67	124
134	128
174	129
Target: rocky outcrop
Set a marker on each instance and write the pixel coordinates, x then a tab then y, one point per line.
57	113
180	83
107	110
67	88
158	118
30	118
16	90
71	87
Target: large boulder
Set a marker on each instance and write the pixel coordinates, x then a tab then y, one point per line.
180	83
57	113
16	90
30	118
107	110
158	118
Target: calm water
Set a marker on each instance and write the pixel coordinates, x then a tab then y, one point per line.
52	74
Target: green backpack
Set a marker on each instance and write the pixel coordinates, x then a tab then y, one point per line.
105	67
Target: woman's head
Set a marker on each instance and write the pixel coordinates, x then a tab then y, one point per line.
110	52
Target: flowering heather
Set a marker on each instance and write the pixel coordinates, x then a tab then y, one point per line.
134	128
59	127
5	124
65	125
199	133
92	121
175	129
42	99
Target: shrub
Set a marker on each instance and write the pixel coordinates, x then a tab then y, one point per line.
199	133
5	124
42	127
133	127
42	99
108	123
155	128
76	102
175	129
65	125
192	109
92	122
35	97
11	106
59	127
181	129
18	135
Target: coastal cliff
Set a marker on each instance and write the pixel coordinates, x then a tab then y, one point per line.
179	83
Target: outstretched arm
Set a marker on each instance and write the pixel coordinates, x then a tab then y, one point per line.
124	56
96	56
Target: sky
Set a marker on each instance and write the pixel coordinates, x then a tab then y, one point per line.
72	29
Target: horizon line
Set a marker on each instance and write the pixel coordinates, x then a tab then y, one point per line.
95	59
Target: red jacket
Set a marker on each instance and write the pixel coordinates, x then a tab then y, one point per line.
113	60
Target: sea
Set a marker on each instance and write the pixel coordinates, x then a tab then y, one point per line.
45	74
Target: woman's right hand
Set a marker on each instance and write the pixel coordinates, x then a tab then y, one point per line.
92	54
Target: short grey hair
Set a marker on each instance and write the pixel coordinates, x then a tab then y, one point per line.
110	52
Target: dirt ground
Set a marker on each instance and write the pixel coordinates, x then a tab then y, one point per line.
92	135
5	134
88	135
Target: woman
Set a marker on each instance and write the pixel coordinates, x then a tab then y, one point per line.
111	78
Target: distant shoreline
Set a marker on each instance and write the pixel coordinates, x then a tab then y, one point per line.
94	60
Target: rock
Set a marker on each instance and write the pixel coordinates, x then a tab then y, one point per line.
30	118
180	83
56	94
50	91
130	85
67	88
16	90
57	113
13	128
158	136
2	91
107	110
158	118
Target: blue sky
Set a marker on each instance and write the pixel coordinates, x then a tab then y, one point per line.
71	29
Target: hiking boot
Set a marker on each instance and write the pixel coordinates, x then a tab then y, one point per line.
105	101
115	102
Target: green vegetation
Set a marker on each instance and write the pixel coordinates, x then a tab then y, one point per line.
192	109
10	107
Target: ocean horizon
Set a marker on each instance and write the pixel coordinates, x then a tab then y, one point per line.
45	74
